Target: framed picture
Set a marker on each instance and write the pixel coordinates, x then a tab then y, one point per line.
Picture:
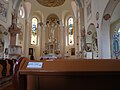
30	51
88	47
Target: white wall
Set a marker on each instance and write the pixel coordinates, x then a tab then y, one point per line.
97	6
6	26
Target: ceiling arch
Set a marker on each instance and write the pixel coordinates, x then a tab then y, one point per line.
52	18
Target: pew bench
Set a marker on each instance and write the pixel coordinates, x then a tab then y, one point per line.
6	71
71	74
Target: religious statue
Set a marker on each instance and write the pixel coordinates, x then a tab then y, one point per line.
53	27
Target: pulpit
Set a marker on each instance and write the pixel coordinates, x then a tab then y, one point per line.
13	29
14	50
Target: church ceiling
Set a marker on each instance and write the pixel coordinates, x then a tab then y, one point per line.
51	3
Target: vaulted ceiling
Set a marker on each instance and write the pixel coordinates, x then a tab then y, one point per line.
44	8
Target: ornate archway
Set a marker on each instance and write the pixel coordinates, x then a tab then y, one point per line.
92	41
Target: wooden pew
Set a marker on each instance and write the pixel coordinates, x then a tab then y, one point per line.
71	74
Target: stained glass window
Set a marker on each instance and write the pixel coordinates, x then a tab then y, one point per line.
116	43
34	31
70	31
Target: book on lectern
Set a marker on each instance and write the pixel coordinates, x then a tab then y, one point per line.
34	64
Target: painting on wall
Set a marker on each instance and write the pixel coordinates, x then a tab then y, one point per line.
3	10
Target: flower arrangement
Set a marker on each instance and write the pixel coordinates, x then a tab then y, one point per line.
45	52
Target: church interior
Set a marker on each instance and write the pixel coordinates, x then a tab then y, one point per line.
71	43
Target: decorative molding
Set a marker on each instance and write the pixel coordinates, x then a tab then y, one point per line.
107	16
51	3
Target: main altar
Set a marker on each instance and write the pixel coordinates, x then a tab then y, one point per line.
52	44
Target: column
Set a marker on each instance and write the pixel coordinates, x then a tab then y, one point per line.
26	38
63	39
76	33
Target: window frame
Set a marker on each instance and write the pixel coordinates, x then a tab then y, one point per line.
32	31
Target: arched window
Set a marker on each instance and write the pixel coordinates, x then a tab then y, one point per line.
34	31
70	31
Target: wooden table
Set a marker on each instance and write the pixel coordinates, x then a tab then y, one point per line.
72	75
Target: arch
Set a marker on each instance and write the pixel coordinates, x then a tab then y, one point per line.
38	38
92	39
105	28
38	15
52	17
65	15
